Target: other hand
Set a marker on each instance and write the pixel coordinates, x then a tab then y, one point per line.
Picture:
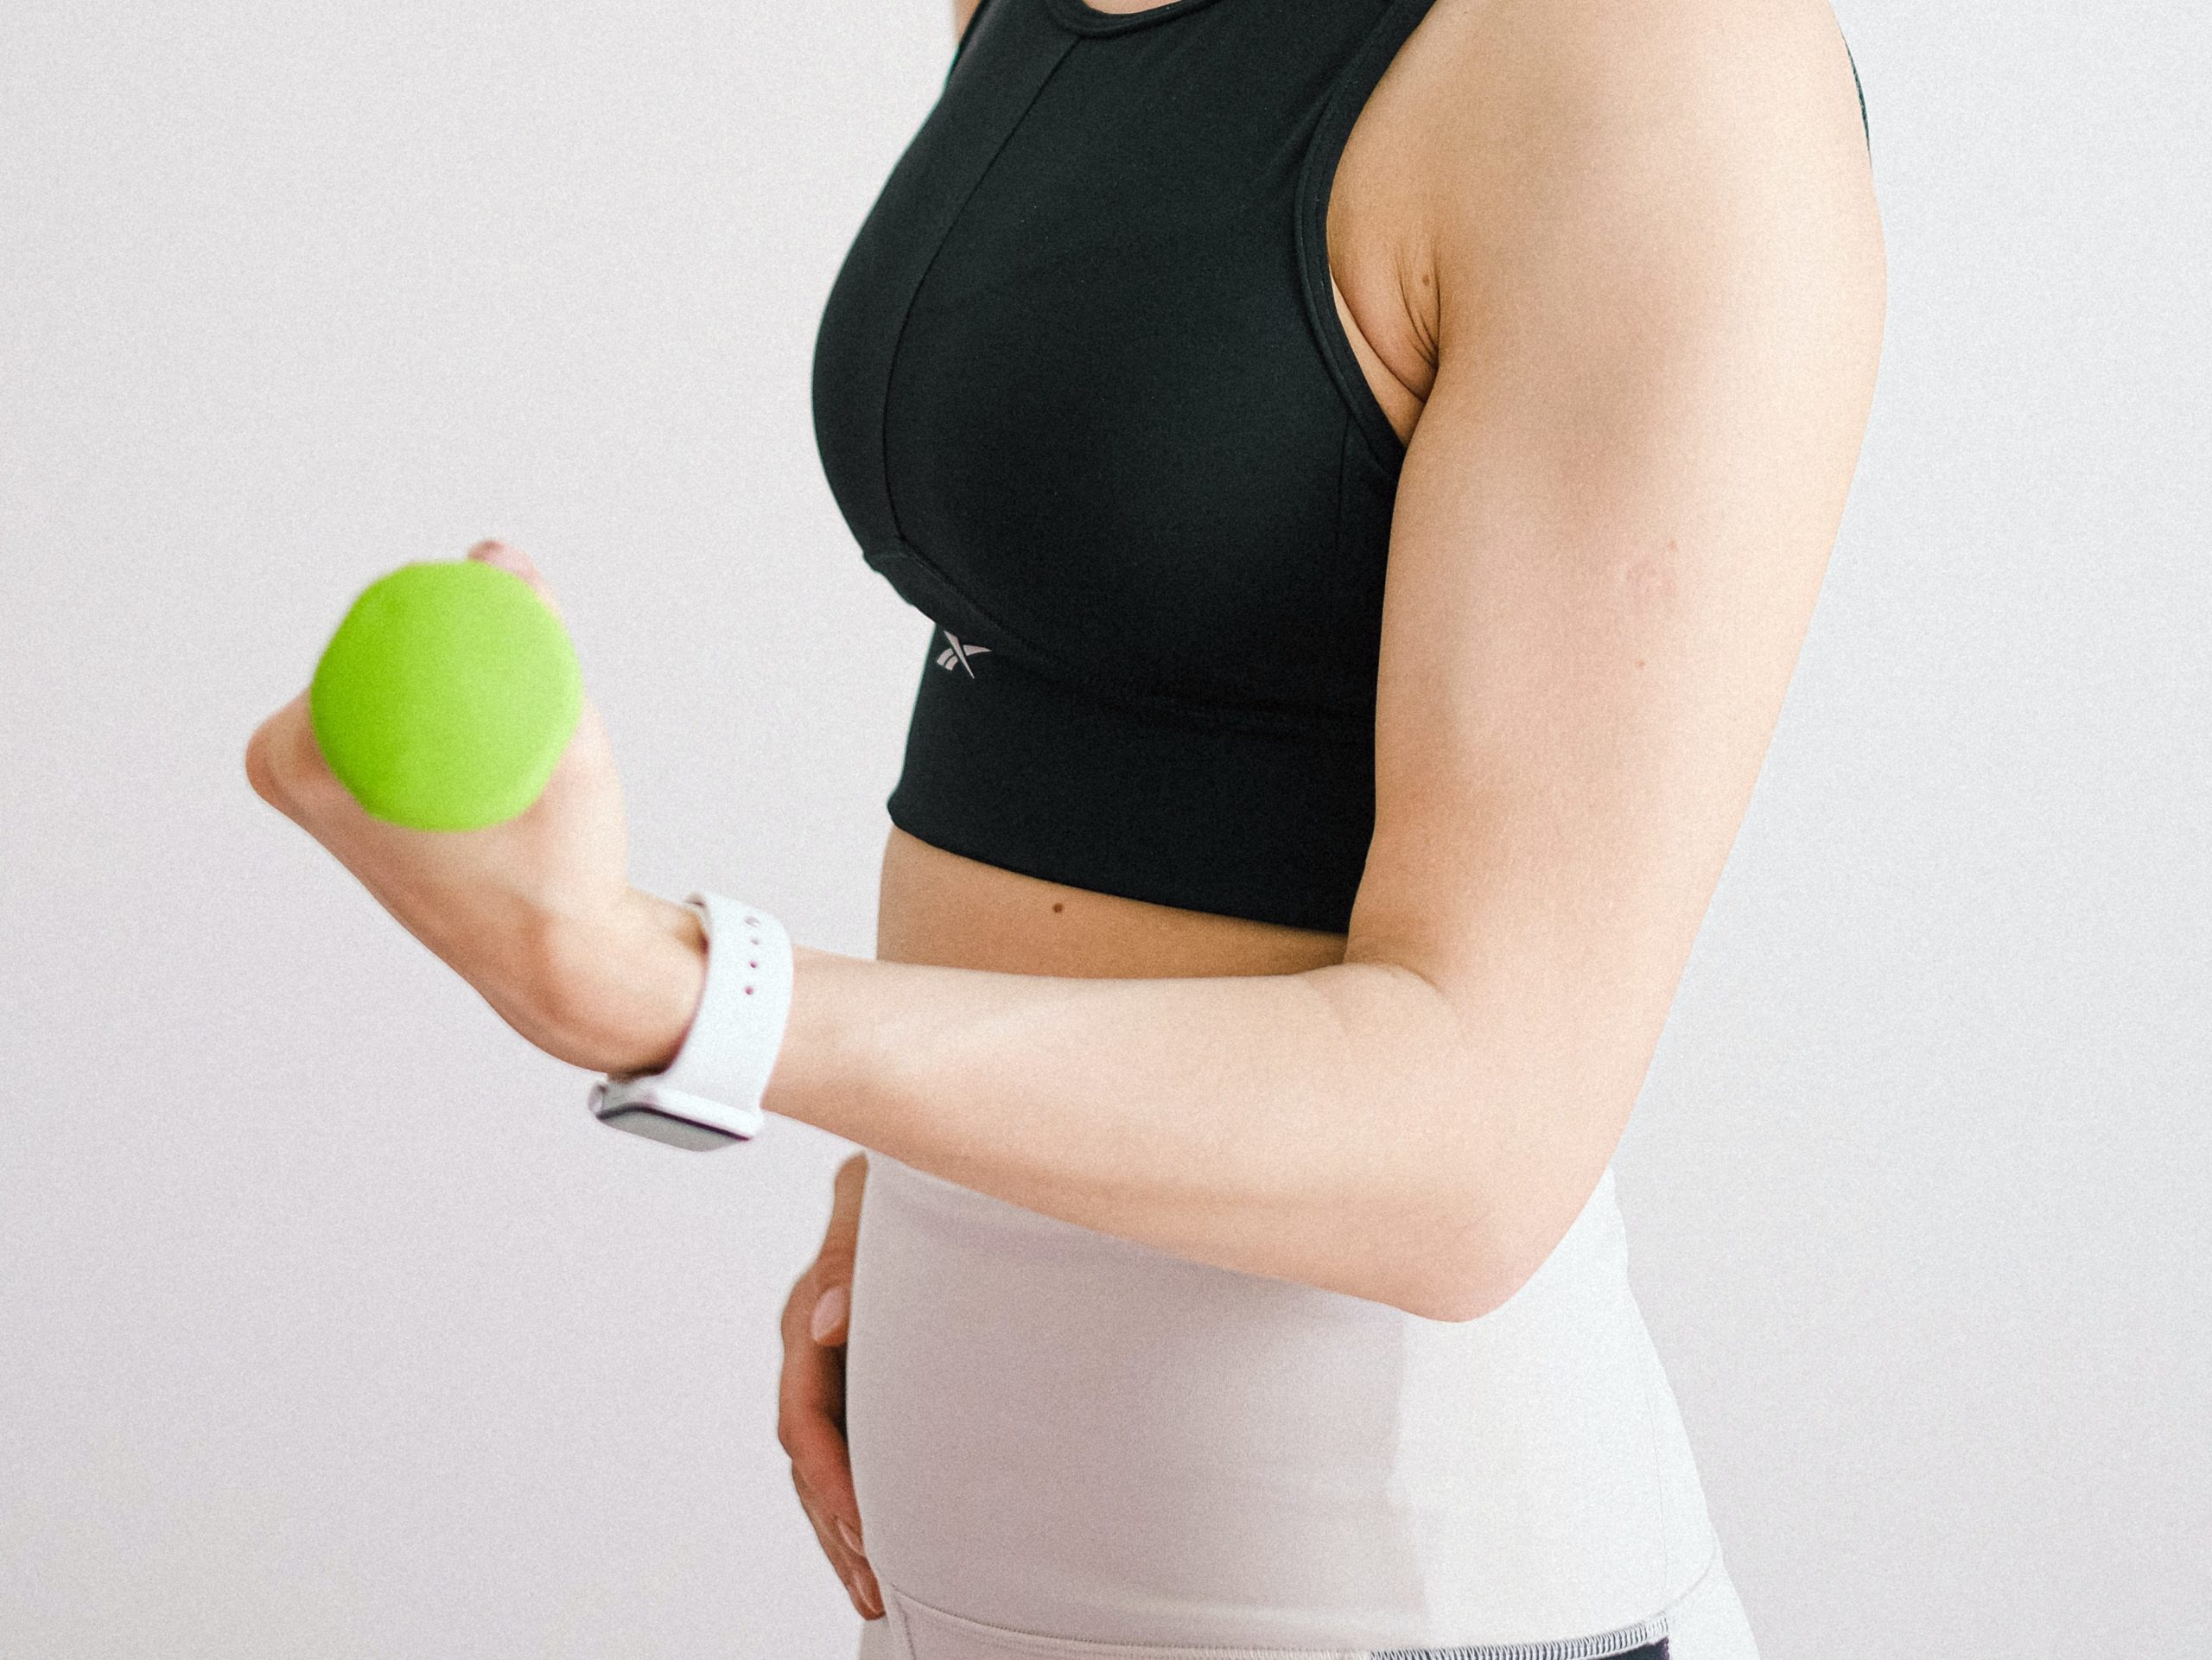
810	1407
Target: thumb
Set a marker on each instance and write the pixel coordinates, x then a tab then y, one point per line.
515	560
830	1310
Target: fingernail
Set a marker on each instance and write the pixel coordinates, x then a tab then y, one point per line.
845	1532
829	1311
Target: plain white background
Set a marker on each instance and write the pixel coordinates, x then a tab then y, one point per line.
330	1322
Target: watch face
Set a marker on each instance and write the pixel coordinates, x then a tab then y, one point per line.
665	1126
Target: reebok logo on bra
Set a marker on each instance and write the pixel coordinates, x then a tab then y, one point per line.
958	652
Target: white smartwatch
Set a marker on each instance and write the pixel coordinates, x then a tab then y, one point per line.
710	1095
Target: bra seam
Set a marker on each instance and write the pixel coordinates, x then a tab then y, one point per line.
1340	111
1079	19
1218	719
921	281
1866	131
1344	443
960	46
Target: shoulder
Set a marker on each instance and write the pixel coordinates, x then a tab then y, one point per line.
1495	67
1570	125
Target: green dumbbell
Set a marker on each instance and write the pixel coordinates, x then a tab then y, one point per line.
445	697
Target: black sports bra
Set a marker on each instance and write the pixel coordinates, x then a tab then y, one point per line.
1081	392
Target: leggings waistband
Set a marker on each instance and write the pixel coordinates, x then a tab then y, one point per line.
1706	1622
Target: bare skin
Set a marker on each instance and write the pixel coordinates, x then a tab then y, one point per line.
1542	855
938	908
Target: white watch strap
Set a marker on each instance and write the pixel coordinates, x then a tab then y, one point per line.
713	1087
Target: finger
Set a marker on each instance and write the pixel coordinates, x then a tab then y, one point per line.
813	1375
840	1559
810	1427
827	1322
851	1565
514	559
258	771
286	765
308	779
811	1299
822	1378
847	1191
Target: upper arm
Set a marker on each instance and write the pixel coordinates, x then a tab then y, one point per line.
1659	295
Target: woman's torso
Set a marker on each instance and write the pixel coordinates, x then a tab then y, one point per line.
938	906
1056	1430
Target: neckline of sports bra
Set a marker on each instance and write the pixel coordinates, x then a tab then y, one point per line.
1089	20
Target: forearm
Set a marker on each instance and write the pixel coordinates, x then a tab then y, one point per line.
1317	1126
1310	1126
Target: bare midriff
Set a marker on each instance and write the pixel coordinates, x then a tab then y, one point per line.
942	907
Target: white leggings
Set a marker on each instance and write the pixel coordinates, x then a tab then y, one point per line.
1067	1444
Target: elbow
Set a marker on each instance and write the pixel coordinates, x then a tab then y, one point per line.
1456	1298
1467	1232
1459	1273
1483	1267
1481	1245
